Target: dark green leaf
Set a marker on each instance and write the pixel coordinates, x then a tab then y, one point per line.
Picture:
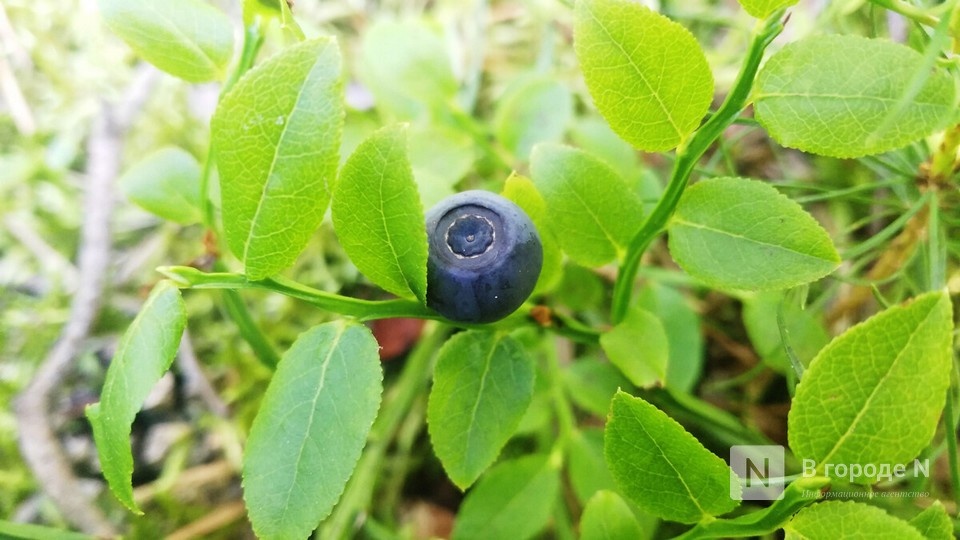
482	386
512	502
682	325
639	347
585	464
607	517
311	427
743	234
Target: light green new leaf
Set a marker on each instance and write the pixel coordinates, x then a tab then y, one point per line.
189	39
512	502
743	234
661	467
934	523
806	332
681	322
311	427
167	184
521	191
849	96
535	109
607	517
639	347
762	9
882	380
406	66
482	386
590	206
377	214
647	74
586	467
145	353
847	519
277	137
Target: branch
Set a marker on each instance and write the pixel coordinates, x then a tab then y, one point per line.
39	443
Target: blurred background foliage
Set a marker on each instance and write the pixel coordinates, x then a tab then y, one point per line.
480	82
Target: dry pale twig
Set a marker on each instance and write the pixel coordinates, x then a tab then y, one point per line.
38	441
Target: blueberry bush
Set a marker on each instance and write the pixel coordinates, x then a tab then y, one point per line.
662	233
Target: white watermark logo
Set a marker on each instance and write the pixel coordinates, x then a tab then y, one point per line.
759	473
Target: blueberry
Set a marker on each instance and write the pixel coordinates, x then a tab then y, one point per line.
485	257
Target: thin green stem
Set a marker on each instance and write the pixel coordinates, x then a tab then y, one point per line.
688	155
764	522
237	310
252	40
561	405
909	11
366	310
888	232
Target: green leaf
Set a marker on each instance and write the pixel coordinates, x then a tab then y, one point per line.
661	467
378	217
647	74
807	333
167	184
482	386
762	9
311	427
607	517
145	353
588	203
882	380
440	157
535	109
15	531
512	502
847	519
592	383
595	137
189	39
639	347
934	523
682	325
743	234
849	96
586	467
277	135
521	191
406	66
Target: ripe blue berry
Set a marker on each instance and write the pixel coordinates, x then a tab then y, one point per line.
485	257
